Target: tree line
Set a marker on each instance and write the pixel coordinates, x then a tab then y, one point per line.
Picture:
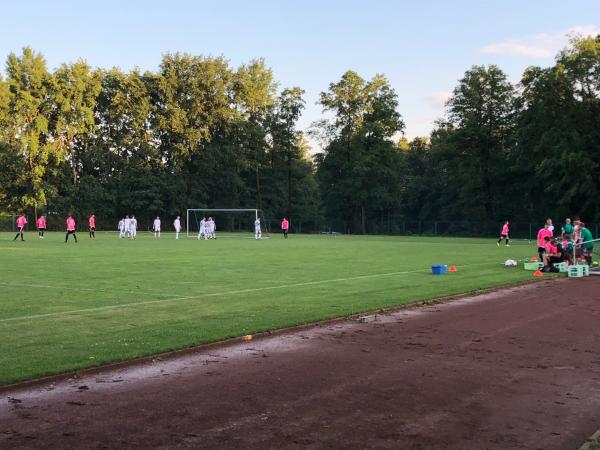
198	133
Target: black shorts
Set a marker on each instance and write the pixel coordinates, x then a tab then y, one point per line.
92	228
541	250
556	259
70	231
504	236
41	229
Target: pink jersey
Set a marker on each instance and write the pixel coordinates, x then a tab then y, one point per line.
92	222
285	224
505	229
541	235
70	224
41	222
551	249
21	221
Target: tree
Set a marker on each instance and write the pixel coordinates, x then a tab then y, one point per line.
27	148
479	128
254	90
360	171
74	94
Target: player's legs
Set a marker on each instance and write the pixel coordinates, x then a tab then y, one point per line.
67	237
506	241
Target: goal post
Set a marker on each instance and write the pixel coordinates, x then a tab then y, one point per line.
233	221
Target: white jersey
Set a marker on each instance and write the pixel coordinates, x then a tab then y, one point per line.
257	225
202	226
177	225
211	226
156	225
127	224
133	224
121	225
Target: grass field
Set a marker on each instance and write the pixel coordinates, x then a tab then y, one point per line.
71	306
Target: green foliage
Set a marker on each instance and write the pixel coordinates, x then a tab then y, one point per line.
200	133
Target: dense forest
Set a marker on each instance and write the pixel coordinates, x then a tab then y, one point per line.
199	133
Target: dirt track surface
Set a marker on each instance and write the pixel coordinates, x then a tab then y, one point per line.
514	369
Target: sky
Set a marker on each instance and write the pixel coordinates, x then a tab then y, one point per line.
423	47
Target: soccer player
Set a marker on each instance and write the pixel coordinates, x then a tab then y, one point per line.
257	230
133	227
92	226
285	226
122	228
41	224
202	228
541	243
587	246
550	226
567	228
70	229
211	228
21	222
177	226
156	227
503	234
555	253
127	222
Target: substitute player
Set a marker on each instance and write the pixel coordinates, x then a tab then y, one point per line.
92	226
257	230
70	229
587	246
177	226
156	227
503	234
541	242
21	222
285	226
41	224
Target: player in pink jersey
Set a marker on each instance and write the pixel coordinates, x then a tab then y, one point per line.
70	229
41	224
92	226
21	222
285	226
541	242
504	234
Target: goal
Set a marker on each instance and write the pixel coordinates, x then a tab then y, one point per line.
230	222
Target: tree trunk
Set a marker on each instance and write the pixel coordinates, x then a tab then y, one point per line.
363	220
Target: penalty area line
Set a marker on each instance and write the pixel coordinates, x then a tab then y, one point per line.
218	294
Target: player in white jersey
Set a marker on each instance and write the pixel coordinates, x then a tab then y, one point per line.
156	227
122	228
133	228
202	228
127	226
257	231
211	228
177	226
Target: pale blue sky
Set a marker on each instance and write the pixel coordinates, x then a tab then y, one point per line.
423	47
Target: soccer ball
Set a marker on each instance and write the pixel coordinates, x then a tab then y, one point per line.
510	263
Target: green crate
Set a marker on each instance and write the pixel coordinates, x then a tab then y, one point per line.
561	266
533	265
575	271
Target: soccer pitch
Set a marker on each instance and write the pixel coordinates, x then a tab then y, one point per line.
70	306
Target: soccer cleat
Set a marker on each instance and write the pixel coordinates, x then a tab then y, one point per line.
498	244
508	245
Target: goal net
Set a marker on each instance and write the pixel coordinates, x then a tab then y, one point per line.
229	222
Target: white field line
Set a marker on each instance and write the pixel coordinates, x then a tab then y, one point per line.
78	289
218	294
